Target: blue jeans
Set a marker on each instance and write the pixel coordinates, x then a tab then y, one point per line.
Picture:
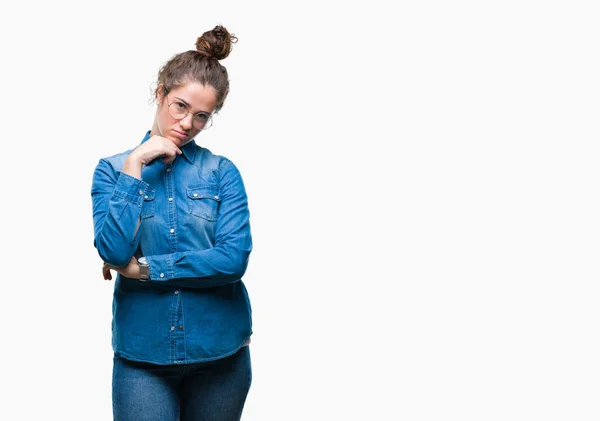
210	391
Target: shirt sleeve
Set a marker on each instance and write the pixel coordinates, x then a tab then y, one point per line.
227	260
117	200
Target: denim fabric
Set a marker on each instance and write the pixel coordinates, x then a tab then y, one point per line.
211	391
194	230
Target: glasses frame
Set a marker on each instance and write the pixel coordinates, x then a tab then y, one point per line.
209	122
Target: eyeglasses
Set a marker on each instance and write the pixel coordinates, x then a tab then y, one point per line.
180	110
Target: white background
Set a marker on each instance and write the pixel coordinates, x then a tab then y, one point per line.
423	185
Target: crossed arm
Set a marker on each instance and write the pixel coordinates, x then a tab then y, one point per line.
117	210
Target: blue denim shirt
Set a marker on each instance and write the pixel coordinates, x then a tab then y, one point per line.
194	230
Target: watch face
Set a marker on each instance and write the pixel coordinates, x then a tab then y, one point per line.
142	261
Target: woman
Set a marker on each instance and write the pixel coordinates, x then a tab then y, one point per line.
172	220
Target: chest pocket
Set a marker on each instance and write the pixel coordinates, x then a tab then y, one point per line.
148	204
204	201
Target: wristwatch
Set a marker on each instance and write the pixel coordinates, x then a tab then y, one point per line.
144	270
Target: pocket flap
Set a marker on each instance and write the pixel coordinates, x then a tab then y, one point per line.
203	193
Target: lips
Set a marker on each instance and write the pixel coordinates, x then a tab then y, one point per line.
180	135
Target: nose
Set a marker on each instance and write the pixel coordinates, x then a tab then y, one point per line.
186	122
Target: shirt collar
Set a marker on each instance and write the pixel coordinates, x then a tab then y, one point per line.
188	150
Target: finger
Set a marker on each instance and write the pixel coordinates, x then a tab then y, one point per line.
169	159
169	142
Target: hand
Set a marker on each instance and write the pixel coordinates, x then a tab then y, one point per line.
155	147
106	271
131	270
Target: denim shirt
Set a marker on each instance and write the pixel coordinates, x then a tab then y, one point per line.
194	230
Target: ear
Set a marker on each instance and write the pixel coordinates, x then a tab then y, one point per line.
159	94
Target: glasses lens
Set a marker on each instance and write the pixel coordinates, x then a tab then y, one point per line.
202	121
177	110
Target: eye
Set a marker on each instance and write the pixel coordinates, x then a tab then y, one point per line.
203	117
180	106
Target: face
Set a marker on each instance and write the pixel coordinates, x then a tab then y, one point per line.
193	97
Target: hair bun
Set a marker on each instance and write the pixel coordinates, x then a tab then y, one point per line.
216	43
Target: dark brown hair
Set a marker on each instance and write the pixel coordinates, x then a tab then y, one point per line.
200	65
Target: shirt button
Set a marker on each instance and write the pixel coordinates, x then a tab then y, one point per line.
171	230
180	327
170	199
162	275
145	197
168	169
176	291
216	197
195	194
141	192
172	327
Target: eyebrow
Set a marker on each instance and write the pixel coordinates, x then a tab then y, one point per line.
188	105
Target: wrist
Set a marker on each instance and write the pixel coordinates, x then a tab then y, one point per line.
134	158
133	165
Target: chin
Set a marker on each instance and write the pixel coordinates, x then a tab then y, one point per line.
177	140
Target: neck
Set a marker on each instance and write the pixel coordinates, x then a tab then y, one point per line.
155	131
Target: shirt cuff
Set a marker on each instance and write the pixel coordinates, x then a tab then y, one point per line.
131	189
160	268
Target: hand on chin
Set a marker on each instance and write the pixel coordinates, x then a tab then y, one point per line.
179	138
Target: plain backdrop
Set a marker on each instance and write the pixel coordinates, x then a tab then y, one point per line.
423	187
